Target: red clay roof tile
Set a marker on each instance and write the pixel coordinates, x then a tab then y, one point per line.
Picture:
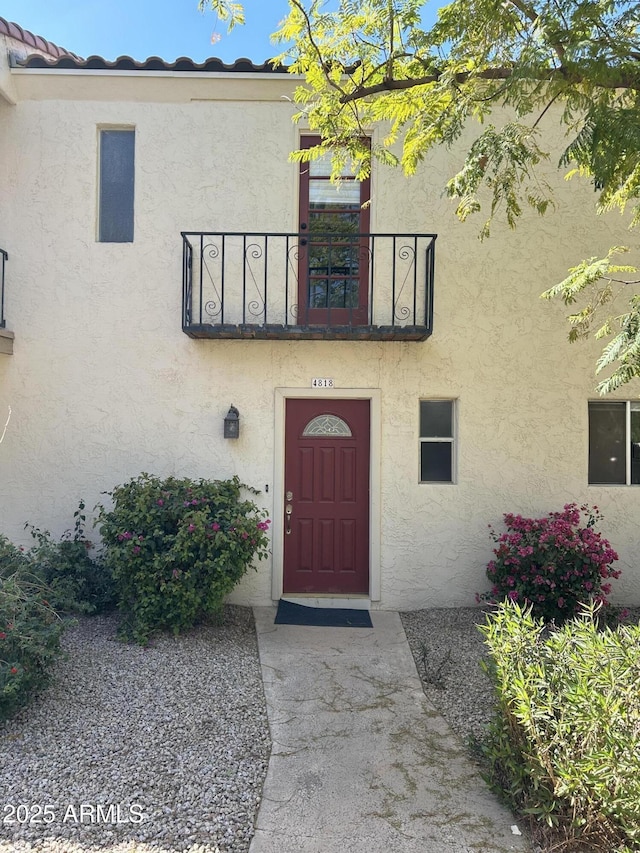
15	31
153	63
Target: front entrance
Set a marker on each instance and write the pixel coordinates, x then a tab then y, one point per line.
326	519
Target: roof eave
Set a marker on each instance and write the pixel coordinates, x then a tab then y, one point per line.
151	64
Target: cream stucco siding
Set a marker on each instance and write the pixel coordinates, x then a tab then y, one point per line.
103	384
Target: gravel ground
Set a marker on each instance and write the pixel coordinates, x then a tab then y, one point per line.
132	749
165	749
447	648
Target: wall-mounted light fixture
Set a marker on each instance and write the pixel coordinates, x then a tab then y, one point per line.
232	423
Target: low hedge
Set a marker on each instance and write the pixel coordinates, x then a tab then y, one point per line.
30	630
39	589
565	743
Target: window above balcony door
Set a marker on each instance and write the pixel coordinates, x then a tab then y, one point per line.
334	259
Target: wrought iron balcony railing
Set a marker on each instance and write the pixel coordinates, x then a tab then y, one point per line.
4	257
308	285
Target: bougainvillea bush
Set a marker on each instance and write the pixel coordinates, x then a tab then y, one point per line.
177	547
553	564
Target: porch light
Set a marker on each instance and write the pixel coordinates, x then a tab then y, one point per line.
232	423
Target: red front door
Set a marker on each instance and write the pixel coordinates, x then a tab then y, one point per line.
334	254
326	534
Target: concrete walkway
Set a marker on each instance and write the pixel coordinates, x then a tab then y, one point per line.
361	761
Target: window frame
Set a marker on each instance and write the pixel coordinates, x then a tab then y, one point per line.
629	406
101	215
452	440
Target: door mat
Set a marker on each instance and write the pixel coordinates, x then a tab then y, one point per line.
325	617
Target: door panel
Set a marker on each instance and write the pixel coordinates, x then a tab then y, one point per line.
326	459
333	267
305	478
348	469
326	540
305	545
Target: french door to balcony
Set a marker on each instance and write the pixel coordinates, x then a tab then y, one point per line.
334	256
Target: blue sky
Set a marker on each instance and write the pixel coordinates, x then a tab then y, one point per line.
142	28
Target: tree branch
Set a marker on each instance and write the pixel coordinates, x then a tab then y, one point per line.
315	47
530	13
4	431
623	81
391	25
546	109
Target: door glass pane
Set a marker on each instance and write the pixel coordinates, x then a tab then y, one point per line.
334	258
344	293
332	223
327	425
340	293
635	443
607	444
435	461
318	293
326	194
436	418
329	227
323	166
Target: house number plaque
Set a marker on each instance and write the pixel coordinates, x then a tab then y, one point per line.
318	382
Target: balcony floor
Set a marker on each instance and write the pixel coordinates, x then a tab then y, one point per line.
6	341
274	332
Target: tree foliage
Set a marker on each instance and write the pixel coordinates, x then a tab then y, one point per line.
367	62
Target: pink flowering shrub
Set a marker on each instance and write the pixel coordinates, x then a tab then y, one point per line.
177	548
553	563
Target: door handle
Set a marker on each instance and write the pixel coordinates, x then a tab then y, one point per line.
287	511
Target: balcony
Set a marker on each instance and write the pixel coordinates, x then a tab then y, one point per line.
6	337
313	286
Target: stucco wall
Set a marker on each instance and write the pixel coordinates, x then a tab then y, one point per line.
103	384
17	48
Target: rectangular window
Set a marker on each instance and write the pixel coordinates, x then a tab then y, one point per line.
614	443
116	183
437	441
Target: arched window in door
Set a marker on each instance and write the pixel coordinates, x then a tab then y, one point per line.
327	426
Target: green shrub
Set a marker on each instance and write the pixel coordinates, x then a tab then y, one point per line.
554	563
29	630
177	547
565	743
78	582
